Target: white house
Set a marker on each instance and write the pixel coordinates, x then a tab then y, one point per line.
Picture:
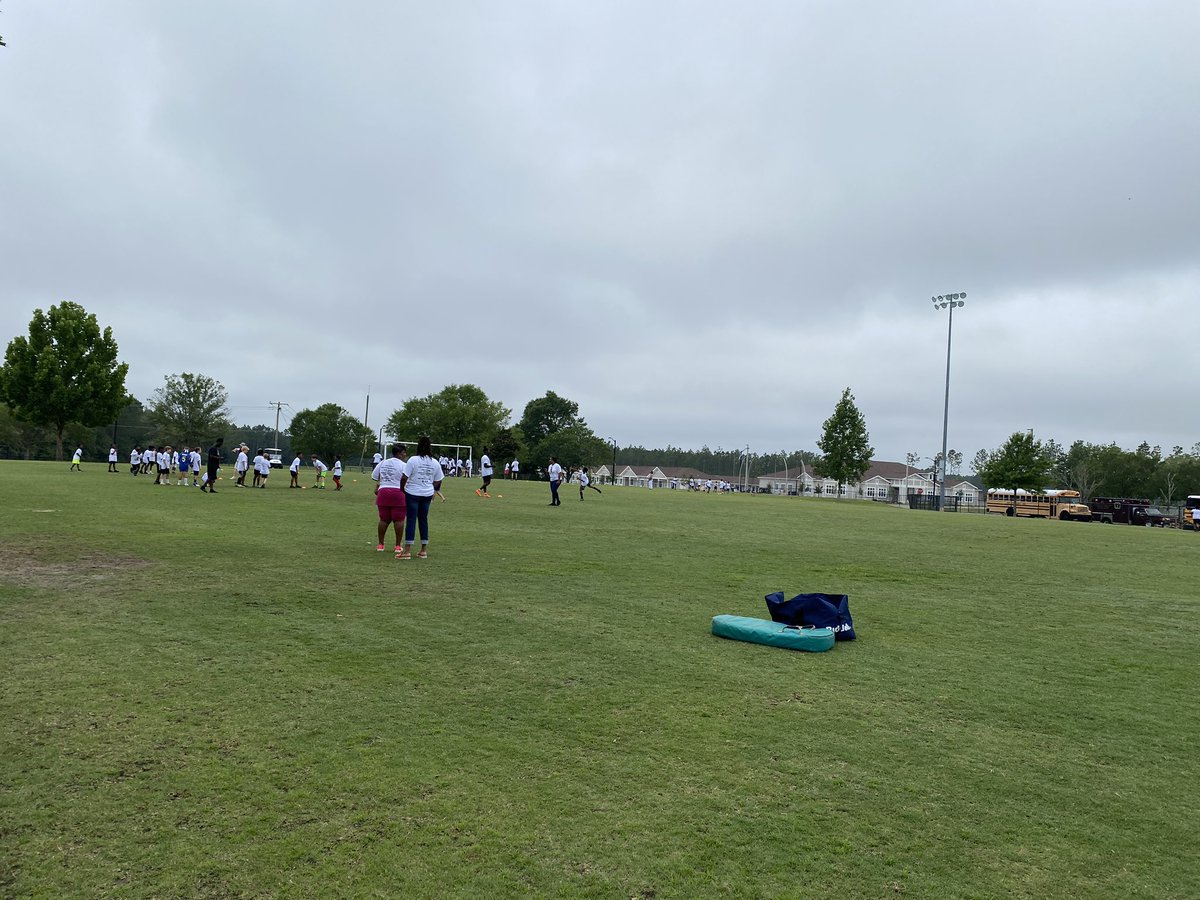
889	482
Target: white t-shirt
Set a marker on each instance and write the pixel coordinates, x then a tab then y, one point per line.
240	465
295	466
378	458
516	465
112	454
583	479
423	472
337	468
555	472
134	457
78	455
388	472
485	465
319	466
195	459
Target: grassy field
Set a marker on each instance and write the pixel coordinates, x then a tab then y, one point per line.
237	696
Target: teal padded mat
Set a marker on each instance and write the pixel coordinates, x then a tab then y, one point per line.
773	634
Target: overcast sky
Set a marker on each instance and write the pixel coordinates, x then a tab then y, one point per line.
699	220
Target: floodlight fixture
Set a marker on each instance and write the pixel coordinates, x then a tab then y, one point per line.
946	301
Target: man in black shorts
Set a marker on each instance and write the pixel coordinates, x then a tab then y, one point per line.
214	462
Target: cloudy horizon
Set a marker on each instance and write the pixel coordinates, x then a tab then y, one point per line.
698	222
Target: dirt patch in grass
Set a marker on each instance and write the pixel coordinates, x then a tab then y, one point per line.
50	567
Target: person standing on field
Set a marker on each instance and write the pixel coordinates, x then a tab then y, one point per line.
515	469
422	479
555	472
294	469
112	458
485	472
215	455
337	473
241	465
390	500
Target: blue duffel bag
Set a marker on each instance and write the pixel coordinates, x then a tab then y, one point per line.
818	610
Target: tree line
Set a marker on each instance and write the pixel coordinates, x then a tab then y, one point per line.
1095	470
63	384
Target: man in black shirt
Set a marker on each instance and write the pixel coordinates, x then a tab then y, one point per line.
214	462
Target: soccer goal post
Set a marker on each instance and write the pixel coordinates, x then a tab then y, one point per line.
451	451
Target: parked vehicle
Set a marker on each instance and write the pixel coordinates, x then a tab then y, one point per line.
1048	504
1126	511
274	456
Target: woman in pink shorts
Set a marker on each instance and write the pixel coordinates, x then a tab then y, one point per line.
389	495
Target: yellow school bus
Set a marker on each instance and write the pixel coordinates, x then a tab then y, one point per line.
1193	502
1048	504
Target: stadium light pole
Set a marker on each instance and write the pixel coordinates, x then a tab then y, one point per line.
947	301
612	476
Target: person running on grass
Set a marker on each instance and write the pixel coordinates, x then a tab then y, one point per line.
585	481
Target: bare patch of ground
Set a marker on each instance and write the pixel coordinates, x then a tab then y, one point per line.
39	567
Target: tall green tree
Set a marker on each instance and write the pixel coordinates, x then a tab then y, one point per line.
457	414
190	409
845	445
66	370
1021	462
574	446
328	432
546	415
505	447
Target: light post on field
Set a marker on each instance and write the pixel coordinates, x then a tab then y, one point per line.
612	477
946	301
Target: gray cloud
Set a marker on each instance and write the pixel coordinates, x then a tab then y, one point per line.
699	222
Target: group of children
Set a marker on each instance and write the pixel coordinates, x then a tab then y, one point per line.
166	463
182	467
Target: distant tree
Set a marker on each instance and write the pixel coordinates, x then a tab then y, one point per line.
574	446
845	448
190	409
457	414
328	432
504	447
254	436
954	460
546	415
1020	463
979	460
66	370
23	440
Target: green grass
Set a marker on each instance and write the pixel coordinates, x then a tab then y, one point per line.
237	696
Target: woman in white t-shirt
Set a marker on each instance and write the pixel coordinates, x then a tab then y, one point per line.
555	472
388	476
422	479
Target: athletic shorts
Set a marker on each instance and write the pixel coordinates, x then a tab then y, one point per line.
392	504
487	479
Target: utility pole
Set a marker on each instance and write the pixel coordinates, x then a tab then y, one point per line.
279	405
